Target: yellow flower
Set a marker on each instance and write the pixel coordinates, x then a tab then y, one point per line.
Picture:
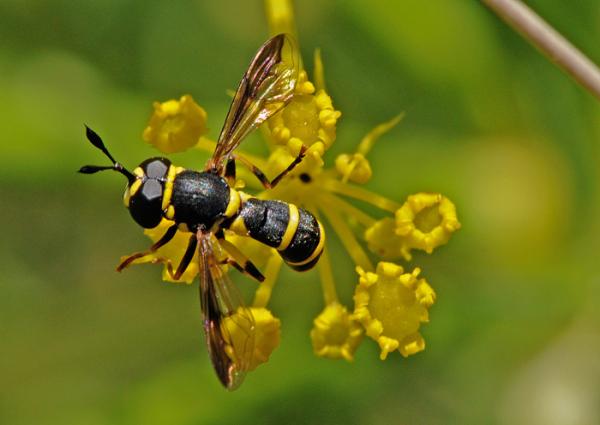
309	118
335	333
391	305
267	334
426	220
175	125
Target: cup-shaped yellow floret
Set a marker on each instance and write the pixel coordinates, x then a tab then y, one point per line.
335	334
309	117
391	305
267	334
175	125
427	220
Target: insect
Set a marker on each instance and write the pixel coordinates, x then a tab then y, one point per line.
205	204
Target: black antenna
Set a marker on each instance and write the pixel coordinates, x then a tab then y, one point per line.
95	140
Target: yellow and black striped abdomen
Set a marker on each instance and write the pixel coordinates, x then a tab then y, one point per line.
293	231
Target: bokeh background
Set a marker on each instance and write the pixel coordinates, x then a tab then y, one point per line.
515	334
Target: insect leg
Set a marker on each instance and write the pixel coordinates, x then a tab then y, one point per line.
186	259
240	261
183	264
162	241
261	176
230	172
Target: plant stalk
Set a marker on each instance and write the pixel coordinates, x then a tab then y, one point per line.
549	42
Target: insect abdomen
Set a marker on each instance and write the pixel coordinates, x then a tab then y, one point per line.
306	243
293	231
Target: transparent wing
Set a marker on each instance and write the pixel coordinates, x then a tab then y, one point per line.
266	87
228	324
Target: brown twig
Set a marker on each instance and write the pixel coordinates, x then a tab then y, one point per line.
548	41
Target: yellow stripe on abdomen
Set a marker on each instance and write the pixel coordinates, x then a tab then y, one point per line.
234	203
316	252
291	228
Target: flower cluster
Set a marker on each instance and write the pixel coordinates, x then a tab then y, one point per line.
390	303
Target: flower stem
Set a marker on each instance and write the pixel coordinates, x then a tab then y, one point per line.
264	290
345	234
549	42
369	140
324	268
360	194
327	281
206	144
352	212
280	17
318	72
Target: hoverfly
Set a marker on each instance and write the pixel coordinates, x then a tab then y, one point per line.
205	204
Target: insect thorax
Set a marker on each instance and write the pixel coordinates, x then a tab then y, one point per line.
199	199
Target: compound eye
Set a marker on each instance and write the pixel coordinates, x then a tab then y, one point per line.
156	168
145	205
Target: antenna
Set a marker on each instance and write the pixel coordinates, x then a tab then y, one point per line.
96	140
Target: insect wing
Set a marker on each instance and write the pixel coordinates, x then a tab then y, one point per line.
228	324
266	87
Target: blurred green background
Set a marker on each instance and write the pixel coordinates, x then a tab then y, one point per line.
515	334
